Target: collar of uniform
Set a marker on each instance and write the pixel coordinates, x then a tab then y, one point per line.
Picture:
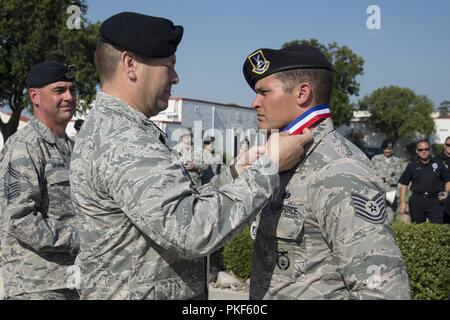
42	129
318	133
115	104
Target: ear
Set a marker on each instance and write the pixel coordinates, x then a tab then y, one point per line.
304	94
129	65
34	96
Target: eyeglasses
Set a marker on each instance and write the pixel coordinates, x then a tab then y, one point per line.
447	144
423	150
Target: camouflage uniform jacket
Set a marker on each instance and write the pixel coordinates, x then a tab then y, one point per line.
38	234
324	235
144	227
187	154
388	169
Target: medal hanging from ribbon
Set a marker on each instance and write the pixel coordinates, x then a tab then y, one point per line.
308	119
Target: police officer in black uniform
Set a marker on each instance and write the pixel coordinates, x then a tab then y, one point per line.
430	185
444	156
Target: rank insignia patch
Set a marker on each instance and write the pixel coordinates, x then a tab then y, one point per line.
372	210
259	62
11	187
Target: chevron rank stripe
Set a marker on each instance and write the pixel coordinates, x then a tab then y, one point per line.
371	210
11	186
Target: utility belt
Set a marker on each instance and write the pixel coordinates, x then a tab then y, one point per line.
426	194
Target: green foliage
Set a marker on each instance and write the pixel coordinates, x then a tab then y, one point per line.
444	108
437	148
399	112
346	67
237	255
426	250
33	31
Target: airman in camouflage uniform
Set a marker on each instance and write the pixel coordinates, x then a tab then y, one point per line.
389	168
38	234
323	235
191	160
144	227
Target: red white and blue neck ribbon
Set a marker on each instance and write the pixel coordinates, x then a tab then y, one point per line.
308	119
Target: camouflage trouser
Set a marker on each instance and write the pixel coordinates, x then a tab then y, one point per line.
392	210
63	294
1	284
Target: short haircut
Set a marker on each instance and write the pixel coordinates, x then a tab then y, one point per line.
423	140
386	143
320	80
446	139
106	61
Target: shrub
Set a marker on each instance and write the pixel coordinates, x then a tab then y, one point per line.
426	250
237	255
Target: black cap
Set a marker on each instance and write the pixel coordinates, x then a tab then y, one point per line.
264	62
147	36
387	143
208	140
48	72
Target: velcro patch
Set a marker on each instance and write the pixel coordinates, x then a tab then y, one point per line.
372	210
11	185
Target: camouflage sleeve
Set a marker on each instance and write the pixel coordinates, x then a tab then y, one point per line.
351	212
224	178
23	216
154	191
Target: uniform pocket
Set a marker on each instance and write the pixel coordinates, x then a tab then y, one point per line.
289	237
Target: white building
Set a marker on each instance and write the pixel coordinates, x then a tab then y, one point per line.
226	122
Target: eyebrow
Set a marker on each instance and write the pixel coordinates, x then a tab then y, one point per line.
58	88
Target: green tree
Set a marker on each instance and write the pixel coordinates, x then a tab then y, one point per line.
399	112
32	31
444	108
346	67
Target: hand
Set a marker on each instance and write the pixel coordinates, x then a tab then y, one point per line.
245	159
189	166
404	209
286	150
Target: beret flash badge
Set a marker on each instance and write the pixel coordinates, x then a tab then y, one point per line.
71	69
259	62
372	210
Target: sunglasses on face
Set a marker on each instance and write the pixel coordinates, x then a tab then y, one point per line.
423	150
447	144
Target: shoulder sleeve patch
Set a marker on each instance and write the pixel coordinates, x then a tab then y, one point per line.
371	210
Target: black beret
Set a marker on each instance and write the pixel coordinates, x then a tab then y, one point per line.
48	72
147	36
264	62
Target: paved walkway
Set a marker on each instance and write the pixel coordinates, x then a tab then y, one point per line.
226	294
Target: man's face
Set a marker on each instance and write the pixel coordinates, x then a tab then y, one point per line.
275	108
388	151
156	78
187	139
55	103
447	147
423	150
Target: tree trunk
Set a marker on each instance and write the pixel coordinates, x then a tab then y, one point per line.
10	127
